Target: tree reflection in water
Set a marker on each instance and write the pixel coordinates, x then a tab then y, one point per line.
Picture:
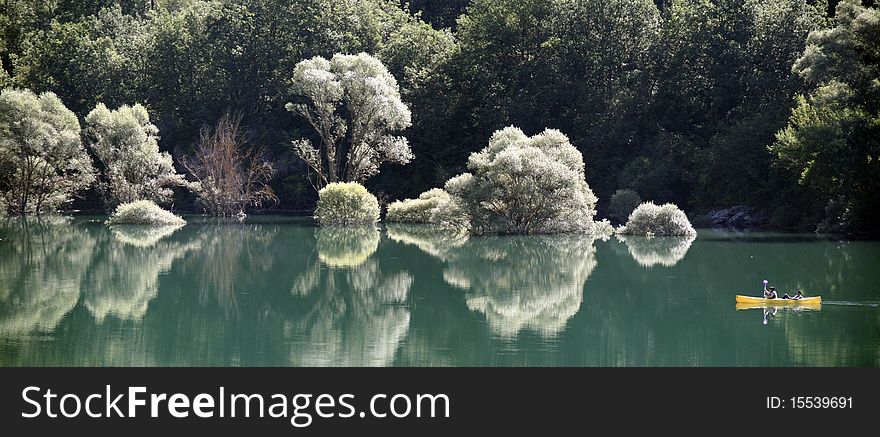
125	275
358	314
230	256
436	241
42	266
346	246
533	283
142	236
652	251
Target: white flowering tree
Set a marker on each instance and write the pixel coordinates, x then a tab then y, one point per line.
353	103
43	163
526	185
127	144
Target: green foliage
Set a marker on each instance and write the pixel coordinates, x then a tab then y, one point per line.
346	203
535	64
44	164
525	185
649	94
723	87
18	18
414	53
832	139
127	145
651	220
101	58
678	102
143	212
622	204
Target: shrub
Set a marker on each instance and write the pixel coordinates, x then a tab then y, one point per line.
143	212
622	204
649	219
346	203
424	209
602	229
525	185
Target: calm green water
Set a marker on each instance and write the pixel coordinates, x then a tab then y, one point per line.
280	292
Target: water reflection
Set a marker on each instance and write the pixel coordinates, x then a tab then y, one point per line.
358	314
363	327
142	236
124	276
533	283
281	293
810	345
436	241
41	264
346	246
231	259
652	251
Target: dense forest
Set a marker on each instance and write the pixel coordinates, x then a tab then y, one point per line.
709	104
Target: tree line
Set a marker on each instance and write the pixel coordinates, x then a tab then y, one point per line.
708	104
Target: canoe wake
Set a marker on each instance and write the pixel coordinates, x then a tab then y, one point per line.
851	303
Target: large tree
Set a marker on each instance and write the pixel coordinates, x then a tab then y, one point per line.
526	185
833	136
127	145
43	163
354	105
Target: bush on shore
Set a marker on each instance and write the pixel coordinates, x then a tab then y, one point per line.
649	219
143	212
421	210
346	203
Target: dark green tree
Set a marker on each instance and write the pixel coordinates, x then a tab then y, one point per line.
721	87
832	139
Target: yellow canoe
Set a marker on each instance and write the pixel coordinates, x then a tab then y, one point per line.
757	306
812	300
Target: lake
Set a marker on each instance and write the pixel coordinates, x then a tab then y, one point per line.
278	291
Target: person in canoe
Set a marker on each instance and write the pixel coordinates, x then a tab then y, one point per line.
769	292
798	296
